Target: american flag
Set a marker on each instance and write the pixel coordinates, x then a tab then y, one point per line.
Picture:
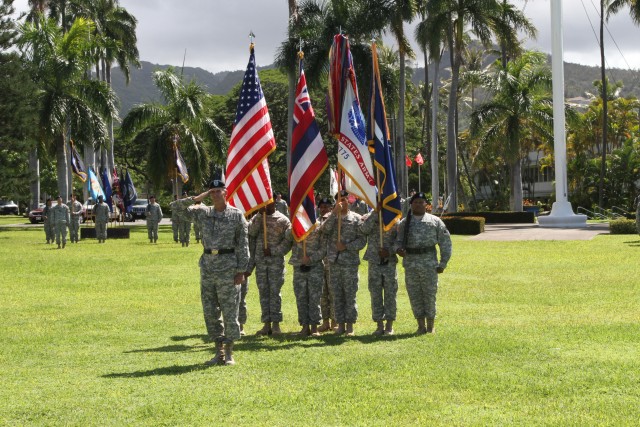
308	161
248	180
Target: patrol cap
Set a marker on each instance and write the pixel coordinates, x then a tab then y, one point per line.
325	201
59	197
343	193
419	195
152	197
217	183
101	197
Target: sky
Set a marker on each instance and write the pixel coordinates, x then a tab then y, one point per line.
214	34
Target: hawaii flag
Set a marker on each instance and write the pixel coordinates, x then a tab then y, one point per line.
308	161
252	140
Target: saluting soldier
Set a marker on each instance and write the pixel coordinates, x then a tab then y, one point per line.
222	266
101	212
308	277
59	216
418	235
344	258
383	276
75	209
268	260
49	227
153	212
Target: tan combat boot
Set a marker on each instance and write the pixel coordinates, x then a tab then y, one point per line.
430	328
219	357
325	326
389	329
228	354
266	329
350	329
314	331
275	329
305	331
380	329
340	329
422	329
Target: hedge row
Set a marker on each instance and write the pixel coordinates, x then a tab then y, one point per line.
499	217
466	225
622	226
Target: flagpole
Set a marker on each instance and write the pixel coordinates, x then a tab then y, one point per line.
419	180
379	208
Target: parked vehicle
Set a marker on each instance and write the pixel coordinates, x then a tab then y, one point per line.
138	209
35	215
7	207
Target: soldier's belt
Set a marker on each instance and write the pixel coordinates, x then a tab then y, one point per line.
218	251
417	251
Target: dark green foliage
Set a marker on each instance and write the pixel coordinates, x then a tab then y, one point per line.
499	217
471	225
623	226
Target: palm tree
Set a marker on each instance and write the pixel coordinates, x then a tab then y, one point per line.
181	122
66	100
521	109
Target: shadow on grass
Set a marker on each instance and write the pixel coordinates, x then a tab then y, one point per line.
167	349
168	370
202	337
633	243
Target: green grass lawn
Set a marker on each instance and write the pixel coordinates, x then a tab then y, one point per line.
528	333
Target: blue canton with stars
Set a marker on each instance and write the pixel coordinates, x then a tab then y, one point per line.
251	91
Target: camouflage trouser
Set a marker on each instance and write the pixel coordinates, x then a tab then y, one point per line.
326	300
74	227
184	231
270	279
383	287
196	231
152	229
344	284
307	287
101	230
242	311
61	232
175	226
49	231
220	301
422	286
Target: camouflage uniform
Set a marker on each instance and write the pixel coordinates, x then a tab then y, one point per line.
383	278
59	216
49	226
184	229
101	211
175	219
153	212
308	280
75	209
270	270
343	266
226	230
359	207
327	299
421	261
281	206
198	232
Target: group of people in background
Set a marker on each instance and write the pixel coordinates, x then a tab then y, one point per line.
325	266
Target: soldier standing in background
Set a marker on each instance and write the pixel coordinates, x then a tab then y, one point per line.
281	205
49	228
383	277
59	216
326	300
269	264
418	235
344	258
153	213
196	227
101	212
222	266
175	217
184	226
75	209
359	206
308	276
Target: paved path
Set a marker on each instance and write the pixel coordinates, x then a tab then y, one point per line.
514	232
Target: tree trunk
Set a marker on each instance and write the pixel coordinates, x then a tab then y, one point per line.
515	201
427	104
402	149
34	182
435	162
61	167
452	153
112	160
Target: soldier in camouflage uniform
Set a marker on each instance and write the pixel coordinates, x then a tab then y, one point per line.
101	212
75	209
281	205
175	218
222	266
59	216
383	277
418	235
49	226
325	205
269	264
359	206
344	258
184	225
153	212
308	277
196	229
